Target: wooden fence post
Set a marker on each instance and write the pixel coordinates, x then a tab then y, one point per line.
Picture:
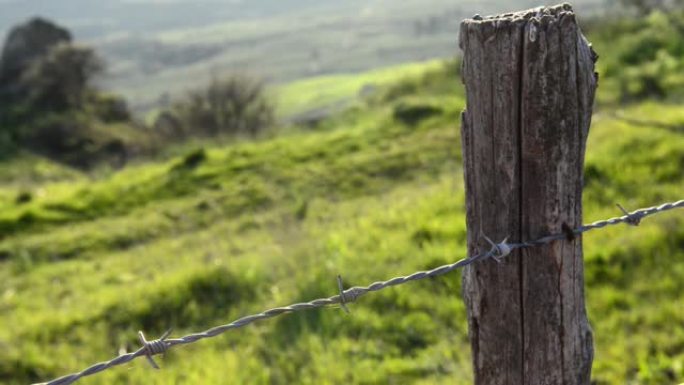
530	85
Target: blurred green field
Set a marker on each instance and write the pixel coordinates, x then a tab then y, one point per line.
331	93
369	193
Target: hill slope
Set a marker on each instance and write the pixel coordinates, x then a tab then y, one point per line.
371	193
156	48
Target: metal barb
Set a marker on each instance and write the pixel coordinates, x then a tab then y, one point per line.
498	251
154	347
343	300
632	219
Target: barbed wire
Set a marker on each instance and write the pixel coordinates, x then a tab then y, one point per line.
497	252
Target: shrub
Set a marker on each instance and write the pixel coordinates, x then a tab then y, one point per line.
72	139
412	114
234	105
110	108
7	144
644	57
192	160
23	197
168	125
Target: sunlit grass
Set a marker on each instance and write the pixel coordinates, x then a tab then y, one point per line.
268	223
335	91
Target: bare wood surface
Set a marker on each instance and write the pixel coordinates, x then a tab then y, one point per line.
530	85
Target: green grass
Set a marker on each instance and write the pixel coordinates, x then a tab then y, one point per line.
190	245
641	58
338	90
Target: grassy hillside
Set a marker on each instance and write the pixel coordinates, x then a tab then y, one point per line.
156	48
222	232
322	95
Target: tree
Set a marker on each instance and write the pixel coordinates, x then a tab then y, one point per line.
24	44
61	80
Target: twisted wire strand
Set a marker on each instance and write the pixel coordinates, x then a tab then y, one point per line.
497	252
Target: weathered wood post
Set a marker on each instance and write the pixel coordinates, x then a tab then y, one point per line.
530	85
